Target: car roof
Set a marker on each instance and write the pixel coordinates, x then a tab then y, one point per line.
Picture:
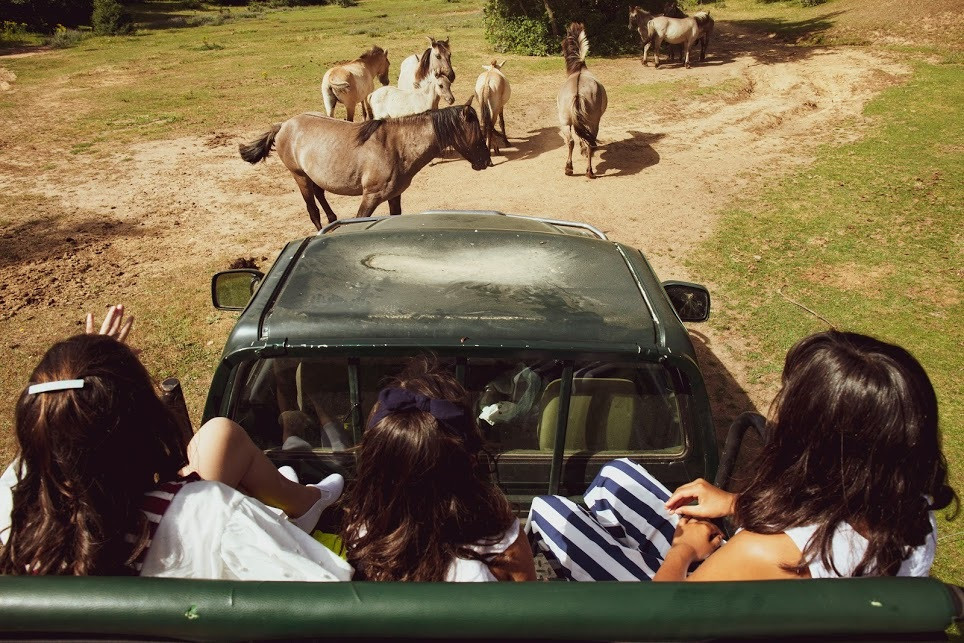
444	277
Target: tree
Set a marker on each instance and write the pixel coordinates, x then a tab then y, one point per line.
109	18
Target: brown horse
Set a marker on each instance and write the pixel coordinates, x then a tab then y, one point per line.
376	159
675	31
581	100
351	83
415	68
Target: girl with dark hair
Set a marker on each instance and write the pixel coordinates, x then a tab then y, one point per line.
98	489
847	485
422	506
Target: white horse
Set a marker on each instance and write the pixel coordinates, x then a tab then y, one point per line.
392	102
493	91
417	67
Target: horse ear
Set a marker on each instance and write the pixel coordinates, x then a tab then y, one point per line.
486	67
431	40
502	64
468	103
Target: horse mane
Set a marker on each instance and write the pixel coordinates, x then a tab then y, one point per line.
575	47
367	130
374	52
702	18
448	124
423	64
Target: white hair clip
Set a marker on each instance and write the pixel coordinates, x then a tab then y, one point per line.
59	385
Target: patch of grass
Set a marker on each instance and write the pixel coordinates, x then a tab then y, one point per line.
868	237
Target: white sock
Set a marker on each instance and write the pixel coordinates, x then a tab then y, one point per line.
288	472
330	488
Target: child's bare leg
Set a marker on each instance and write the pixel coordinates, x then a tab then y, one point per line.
222	451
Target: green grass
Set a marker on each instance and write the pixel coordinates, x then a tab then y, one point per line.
870	238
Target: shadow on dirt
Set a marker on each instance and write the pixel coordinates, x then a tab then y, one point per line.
629	155
49	237
727	401
534	144
769	40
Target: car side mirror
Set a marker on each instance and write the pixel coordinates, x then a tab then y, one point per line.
691	301
233	289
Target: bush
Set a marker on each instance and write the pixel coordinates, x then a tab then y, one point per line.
109	18
44	15
524	26
64	37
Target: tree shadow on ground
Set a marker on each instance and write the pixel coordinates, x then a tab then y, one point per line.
50	236
180	14
727	400
768	40
629	155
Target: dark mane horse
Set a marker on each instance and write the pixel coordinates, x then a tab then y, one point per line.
375	160
582	99
415	68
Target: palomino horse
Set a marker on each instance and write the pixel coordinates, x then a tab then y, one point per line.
392	102
415	68
685	31
493	91
581	100
352	82
375	159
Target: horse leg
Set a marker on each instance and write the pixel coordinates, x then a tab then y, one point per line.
307	188
502	123
351	111
320	195
646	51
571	144
686	52
589	172
369	202
395	205
659	43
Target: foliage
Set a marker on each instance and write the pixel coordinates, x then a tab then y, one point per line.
45	15
524	26
868	237
64	37
110	19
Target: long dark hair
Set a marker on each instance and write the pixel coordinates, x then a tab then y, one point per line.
853	438
421	494
87	455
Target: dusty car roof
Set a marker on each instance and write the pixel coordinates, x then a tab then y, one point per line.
441	277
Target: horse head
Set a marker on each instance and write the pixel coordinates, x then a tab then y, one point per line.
443	87
441	57
461	129
376	60
638	17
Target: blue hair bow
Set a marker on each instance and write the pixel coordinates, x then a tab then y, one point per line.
395	400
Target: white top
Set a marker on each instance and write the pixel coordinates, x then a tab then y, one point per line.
464	570
848	548
213	531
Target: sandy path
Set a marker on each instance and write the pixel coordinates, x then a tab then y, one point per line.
168	208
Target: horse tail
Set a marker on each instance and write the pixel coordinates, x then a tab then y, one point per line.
367	130
581	121
487	125
258	150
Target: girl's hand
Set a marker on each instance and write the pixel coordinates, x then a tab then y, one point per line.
712	502
114	323
700	537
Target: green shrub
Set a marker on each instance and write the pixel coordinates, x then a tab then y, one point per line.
109	18
524	26
64	37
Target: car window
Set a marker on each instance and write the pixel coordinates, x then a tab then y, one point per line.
303	406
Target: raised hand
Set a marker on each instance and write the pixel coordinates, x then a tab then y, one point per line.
114	324
712	502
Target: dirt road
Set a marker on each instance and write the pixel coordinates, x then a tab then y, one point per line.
168	208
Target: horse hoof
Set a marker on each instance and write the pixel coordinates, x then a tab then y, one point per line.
568	171
590	175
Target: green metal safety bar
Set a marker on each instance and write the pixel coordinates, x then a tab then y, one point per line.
882	608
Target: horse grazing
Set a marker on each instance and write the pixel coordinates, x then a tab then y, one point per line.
685	31
415	68
493	91
376	159
581	100
351	83
392	102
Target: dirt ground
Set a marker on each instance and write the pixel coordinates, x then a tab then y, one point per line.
166	208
